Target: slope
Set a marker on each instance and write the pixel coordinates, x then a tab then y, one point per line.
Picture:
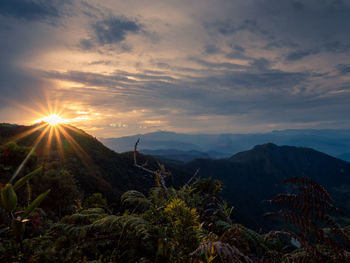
250	177
95	167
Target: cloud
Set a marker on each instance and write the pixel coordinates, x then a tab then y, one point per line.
212	67
212	49
31	10
300	54
254	97
216	65
343	68
86	44
227	27
260	64
332	47
114	29
26	30
109	30
298	5
224	92
337	47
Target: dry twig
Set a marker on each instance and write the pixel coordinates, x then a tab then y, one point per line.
191	179
161	173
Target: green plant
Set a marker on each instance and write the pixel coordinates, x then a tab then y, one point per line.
95	200
134	201
9	202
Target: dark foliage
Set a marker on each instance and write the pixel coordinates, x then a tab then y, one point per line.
104	208
255	175
309	209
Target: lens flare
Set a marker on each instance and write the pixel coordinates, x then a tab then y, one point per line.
54	119
54	135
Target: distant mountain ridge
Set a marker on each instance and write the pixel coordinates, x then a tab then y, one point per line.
249	177
344	156
171	154
332	142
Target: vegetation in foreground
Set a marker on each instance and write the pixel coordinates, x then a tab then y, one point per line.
188	224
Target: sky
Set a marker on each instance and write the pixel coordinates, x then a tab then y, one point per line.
116	68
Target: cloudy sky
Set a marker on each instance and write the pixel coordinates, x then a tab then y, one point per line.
124	67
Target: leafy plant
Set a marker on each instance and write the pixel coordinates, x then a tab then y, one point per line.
208	251
9	202
308	210
95	200
134	201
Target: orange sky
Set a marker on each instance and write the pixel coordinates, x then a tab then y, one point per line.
118	68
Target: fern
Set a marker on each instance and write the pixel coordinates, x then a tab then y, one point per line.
135	201
225	252
223	225
85	216
136	226
95	235
308	209
246	240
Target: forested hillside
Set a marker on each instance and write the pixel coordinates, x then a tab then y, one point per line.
95	167
252	176
77	201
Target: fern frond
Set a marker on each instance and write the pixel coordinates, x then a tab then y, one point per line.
135	200
226	252
136	225
224	225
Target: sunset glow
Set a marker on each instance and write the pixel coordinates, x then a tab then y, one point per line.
54	119
119	68
53	128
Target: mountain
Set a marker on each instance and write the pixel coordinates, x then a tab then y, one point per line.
249	177
252	176
332	142
153	141
95	167
178	155
344	156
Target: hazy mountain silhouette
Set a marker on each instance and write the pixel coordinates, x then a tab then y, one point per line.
333	142
344	156
172	154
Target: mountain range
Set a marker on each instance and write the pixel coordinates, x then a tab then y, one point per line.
332	142
249	177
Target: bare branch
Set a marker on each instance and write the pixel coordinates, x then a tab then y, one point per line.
161	173
135	151
190	180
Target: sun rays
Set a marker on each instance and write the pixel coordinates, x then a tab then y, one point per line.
54	138
54	119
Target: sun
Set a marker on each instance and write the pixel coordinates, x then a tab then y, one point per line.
53	128
54	119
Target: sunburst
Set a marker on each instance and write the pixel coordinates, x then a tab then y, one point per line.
54	126
54	119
